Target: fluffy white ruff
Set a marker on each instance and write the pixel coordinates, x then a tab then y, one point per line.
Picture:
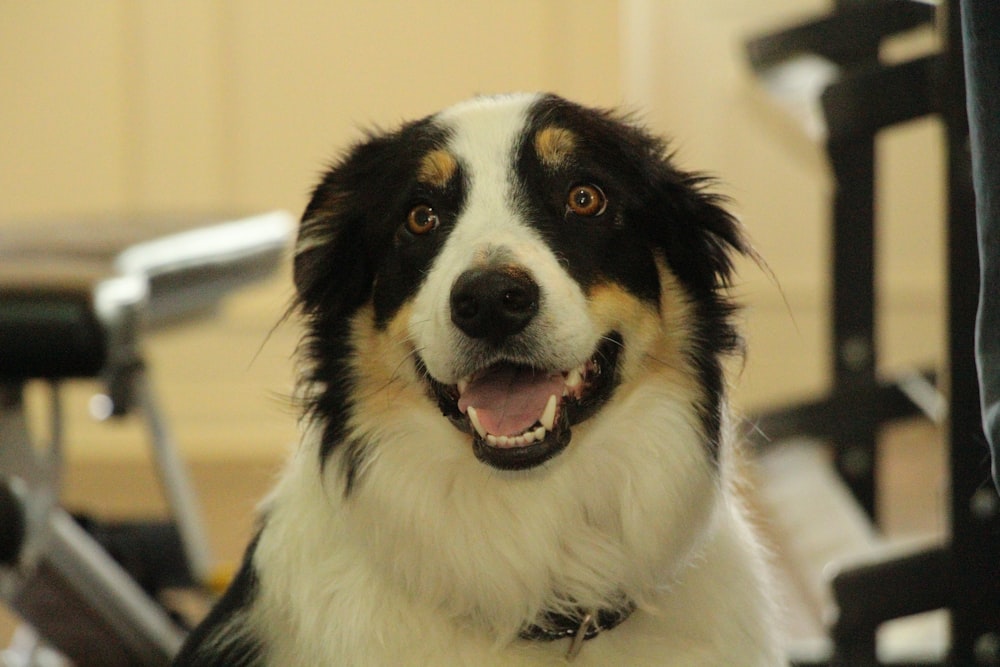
438	559
344	583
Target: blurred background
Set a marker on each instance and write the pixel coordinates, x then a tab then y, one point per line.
130	107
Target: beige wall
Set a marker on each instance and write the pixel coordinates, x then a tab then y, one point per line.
122	105
127	105
135	105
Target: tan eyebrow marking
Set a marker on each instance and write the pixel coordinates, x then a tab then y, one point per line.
437	168
554	145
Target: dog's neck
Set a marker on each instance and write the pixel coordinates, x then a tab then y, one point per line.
577	626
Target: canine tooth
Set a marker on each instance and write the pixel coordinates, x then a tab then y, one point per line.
463	384
474	418
574	378
548	418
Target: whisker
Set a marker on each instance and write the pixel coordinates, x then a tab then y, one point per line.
395	377
665	363
613	340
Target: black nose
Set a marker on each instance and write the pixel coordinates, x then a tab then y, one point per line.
493	303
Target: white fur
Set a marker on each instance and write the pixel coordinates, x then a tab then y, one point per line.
437	559
438	556
405	572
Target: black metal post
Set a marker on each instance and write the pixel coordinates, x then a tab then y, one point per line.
853	350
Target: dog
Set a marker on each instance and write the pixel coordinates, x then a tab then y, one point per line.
516	447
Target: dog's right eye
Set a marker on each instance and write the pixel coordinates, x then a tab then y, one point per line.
586	200
421	220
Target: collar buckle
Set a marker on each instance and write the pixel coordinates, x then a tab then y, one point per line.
587	626
577	627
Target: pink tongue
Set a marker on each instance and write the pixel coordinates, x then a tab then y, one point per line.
510	399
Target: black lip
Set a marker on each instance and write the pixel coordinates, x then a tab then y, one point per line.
600	387
528	456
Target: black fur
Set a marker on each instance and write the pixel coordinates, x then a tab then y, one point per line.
205	648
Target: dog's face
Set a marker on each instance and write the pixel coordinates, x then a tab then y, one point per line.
507	267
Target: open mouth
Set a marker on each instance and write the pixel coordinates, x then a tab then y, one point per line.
520	416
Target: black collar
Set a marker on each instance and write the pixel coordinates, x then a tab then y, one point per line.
578	626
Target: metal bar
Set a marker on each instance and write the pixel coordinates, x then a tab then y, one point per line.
176	484
850	35
853	315
872	593
894	399
866	100
61	580
85	605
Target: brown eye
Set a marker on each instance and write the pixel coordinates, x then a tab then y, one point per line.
421	220
586	200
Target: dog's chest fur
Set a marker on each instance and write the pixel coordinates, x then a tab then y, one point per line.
515	318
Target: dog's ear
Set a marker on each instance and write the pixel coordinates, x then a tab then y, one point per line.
331	269
348	223
679	215
335	262
698	236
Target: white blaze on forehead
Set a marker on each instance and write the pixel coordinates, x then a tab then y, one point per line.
484	137
485	134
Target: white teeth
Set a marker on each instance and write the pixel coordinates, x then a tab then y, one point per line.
463	384
574	378
526	438
508	441
548	417
474	418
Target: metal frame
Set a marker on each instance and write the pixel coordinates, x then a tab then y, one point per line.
60	579
866	97
56	571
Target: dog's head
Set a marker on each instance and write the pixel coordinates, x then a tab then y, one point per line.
510	265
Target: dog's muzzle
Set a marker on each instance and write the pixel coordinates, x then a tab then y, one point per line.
519	413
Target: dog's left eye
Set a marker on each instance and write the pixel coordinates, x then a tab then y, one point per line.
421	220
586	200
